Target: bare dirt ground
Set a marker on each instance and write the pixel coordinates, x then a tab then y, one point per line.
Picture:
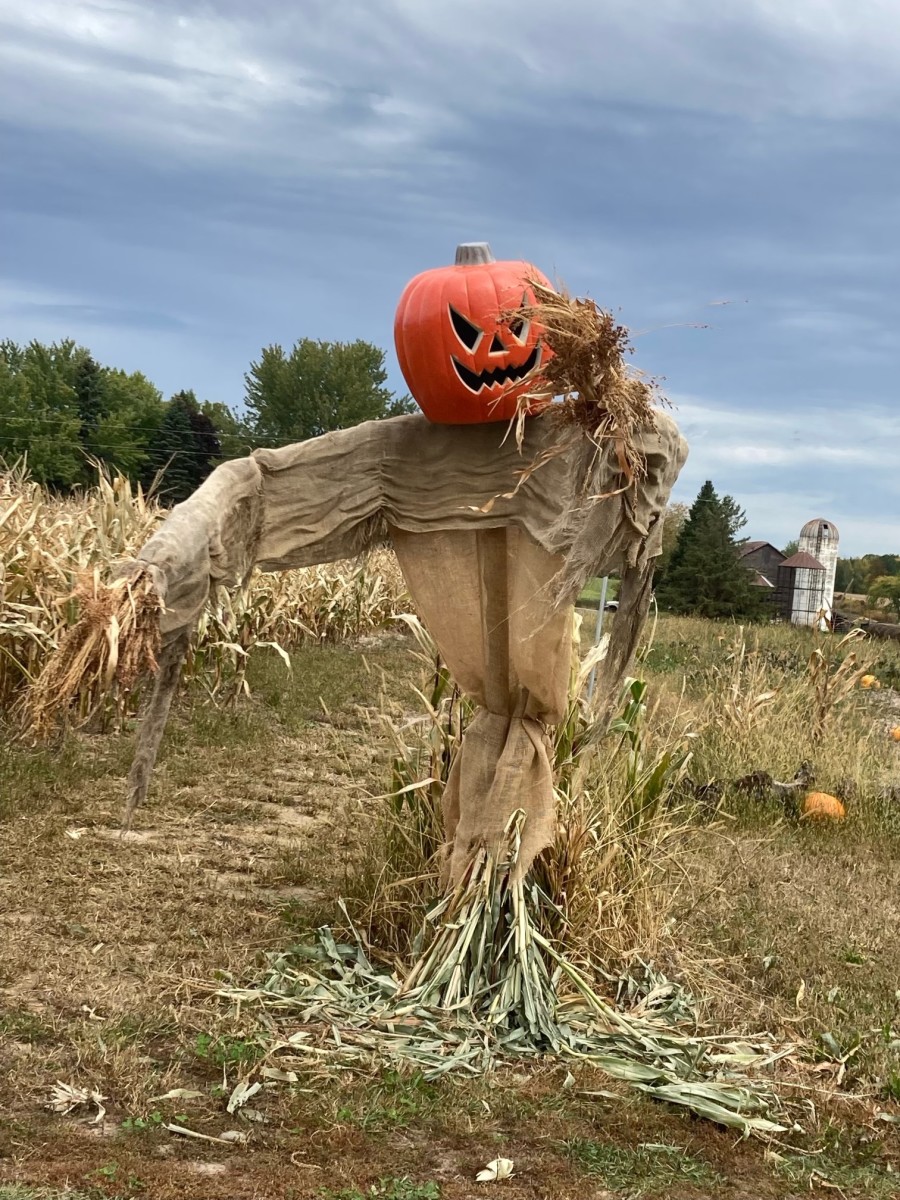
111	948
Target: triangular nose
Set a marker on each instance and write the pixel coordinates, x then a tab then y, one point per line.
497	346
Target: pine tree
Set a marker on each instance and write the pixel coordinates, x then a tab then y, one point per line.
90	397
675	516
704	576
185	449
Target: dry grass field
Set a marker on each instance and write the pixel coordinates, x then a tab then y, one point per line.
266	808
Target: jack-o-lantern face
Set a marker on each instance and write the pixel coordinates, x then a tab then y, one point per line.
461	363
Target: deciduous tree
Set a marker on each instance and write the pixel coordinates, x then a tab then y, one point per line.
886	590
317	387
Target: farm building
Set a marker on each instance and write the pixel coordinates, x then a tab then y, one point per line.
801	587
820	539
800	593
763	559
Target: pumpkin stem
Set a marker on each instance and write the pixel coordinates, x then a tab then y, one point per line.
470	253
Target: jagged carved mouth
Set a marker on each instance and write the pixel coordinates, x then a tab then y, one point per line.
499	375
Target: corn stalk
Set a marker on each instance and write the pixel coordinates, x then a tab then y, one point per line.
834	673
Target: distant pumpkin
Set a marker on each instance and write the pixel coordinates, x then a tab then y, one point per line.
895	733
819	806
461	362
868	681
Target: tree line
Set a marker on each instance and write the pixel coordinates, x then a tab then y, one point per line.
64	412
859	574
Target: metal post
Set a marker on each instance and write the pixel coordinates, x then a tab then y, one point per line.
601	609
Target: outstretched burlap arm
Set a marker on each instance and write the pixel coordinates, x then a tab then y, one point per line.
493	548
210	539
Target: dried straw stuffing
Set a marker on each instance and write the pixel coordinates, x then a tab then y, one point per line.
115	641
598	393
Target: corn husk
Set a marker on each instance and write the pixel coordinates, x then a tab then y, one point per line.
56	616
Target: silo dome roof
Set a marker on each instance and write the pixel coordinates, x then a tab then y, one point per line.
819	526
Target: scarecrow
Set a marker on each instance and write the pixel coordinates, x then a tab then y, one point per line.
536	462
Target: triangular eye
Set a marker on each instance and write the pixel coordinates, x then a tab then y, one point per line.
470	335
519	328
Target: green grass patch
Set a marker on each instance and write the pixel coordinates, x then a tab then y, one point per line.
815	1171
643	1170
228	1052
327	683
397	1100
593	589
37	779
25	1027
388	1189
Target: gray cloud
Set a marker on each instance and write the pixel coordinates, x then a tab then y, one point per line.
188	181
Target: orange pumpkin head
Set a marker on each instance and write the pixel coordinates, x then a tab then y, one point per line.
462	364
819	806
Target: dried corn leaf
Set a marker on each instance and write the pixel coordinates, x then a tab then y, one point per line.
486	987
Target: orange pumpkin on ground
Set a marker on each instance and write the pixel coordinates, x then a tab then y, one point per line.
819	806
462	365
895	733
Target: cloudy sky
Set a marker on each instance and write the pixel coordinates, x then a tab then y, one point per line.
184	182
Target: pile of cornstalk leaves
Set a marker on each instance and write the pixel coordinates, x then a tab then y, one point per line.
486	988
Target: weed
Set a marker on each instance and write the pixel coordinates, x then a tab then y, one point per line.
227	1051
142	1124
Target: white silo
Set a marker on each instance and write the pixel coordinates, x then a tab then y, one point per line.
820	539
801	584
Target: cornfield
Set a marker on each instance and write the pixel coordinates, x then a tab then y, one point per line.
51	548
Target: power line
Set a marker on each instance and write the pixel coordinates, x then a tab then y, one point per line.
44	423
156	448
